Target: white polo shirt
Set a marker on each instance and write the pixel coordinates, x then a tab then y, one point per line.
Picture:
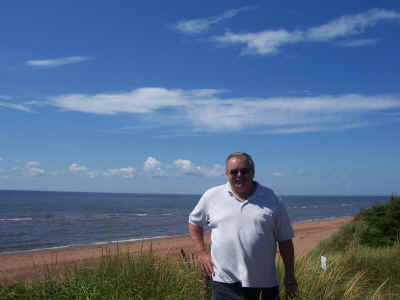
243	234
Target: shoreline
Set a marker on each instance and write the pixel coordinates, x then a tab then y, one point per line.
29	264
104	243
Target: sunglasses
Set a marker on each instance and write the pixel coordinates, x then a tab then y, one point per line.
244	171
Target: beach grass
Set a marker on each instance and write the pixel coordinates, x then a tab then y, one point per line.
354	270
119	276
362	259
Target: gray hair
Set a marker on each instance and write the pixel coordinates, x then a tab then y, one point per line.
238	154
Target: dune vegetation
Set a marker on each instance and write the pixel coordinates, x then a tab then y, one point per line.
362	259
362	263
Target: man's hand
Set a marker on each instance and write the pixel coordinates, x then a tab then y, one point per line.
287	253
290	287
206	263
204	256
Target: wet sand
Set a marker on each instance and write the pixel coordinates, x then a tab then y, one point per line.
30	265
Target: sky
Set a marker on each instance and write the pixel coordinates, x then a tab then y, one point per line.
151	96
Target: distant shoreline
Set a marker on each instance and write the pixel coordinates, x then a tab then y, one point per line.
33	264
191	194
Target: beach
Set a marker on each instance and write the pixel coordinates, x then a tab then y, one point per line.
30	265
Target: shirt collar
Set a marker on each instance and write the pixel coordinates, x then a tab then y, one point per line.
257	192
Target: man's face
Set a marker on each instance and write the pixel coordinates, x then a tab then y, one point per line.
240	175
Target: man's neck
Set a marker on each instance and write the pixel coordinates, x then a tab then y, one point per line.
246	195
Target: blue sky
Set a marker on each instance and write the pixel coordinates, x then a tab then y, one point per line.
151	96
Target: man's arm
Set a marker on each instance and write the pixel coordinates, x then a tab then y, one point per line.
287	253
204	256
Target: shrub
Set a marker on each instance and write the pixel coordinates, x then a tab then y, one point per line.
382	224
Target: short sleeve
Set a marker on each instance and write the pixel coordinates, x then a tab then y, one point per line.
198	216
284	230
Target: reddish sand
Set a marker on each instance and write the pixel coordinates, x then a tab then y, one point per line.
33	264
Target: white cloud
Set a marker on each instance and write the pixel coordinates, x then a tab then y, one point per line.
5	97
237	114
31	164
139	101
1	158
187	167
15	106
358	43
263	43
304	129
351	24
36	103
269	41
33	168
205	110
196	26
278	174
74	167
151	163
93	174
57	172
36	171
50	63
154	166
123	172
215	171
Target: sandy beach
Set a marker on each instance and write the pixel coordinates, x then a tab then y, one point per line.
33	264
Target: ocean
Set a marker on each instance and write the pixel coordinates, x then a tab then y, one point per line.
33	220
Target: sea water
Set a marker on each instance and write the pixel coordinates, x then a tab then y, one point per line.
33	220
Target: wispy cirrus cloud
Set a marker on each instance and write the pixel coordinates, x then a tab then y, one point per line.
358	43
196	26
139	101
209	111
15	106
289	113
351	24
56	62
5	97
314	128
269	42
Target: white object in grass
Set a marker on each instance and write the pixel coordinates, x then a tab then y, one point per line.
323	262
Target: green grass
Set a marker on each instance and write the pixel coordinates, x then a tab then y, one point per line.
122	276
356	272
357	267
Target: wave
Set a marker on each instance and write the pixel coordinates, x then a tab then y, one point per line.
16	219
126	214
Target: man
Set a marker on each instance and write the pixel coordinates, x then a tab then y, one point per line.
246	220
